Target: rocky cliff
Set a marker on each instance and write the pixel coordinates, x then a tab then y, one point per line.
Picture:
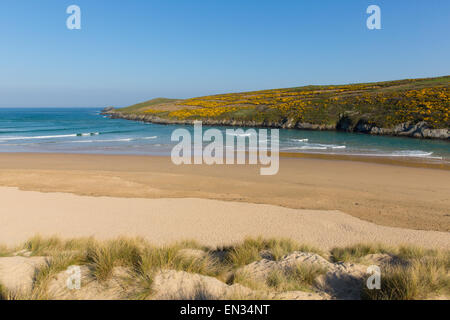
414	130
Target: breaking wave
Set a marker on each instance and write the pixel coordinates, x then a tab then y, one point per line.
50	137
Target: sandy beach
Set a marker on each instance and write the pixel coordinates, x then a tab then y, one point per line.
316	201
210	222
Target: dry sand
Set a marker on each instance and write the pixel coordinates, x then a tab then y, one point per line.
382	193
211	222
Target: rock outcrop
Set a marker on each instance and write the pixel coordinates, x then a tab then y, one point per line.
407	129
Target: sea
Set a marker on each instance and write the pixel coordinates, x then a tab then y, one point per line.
85	130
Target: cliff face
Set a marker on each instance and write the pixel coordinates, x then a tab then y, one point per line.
418	130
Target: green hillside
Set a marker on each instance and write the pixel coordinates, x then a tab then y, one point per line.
381	104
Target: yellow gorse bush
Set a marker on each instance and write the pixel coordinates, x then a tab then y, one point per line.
392	106
202	112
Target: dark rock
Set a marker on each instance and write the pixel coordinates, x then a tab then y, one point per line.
346	123
107	110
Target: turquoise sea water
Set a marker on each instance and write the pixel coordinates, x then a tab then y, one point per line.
86	131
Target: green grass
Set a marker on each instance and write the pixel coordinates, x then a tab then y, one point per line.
146	104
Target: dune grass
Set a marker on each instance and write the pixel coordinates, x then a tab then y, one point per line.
45	246
425	273
255	249
104	257
5	251
137	256
421	279
3	293
356	252
6	294
422	273
57	263
246	279
297	277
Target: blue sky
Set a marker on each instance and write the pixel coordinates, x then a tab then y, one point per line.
131	51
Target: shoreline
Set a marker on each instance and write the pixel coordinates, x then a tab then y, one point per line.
399	161
382	193
414	162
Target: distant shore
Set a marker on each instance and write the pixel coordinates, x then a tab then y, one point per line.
382	193
419	130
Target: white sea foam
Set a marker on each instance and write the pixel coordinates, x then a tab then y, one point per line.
49	137
90	141
239	134
37	137
376	153
88	134
113	140
412	153
305	148
316	146
401	153
300	140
